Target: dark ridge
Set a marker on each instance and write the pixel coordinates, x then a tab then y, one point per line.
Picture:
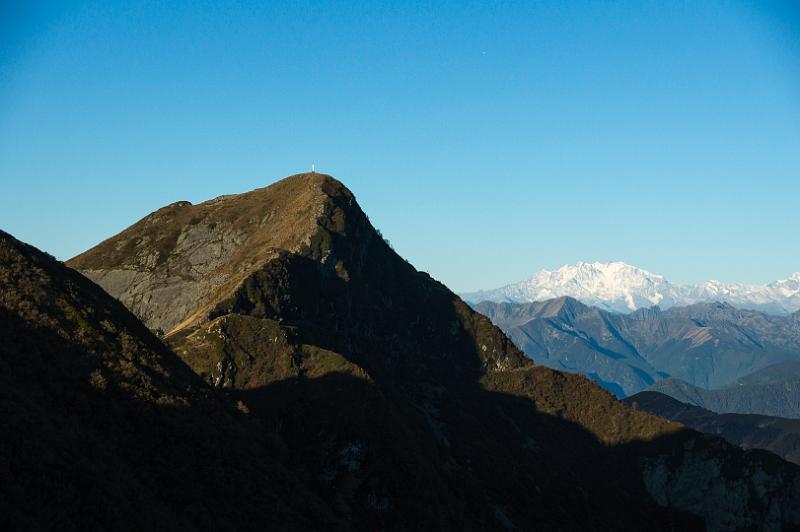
765	393
750	431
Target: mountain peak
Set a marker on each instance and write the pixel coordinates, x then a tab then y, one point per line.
615	286
299	251
610	265
183	252
565	307
605	268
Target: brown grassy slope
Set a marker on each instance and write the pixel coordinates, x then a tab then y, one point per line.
104	428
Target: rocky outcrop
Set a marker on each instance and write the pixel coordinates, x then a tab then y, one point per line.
696	477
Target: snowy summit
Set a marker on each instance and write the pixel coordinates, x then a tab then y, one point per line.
620	287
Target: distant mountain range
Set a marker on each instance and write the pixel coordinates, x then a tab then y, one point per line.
750	431
620	287
707	345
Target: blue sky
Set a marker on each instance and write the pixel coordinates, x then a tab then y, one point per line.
486	140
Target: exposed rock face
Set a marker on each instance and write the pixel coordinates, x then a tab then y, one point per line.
405	409
103	428
750	431
690	478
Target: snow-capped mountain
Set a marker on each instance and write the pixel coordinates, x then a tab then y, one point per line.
620	287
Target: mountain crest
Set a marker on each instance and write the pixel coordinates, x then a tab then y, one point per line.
162	265
298	252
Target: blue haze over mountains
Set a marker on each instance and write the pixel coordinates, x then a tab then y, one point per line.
706	345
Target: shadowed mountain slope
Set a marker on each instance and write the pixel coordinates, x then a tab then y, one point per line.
750	431
404	408
105	428
706	344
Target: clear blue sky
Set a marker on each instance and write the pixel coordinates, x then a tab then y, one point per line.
485	140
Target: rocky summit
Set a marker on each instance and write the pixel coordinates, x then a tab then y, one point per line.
385	397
